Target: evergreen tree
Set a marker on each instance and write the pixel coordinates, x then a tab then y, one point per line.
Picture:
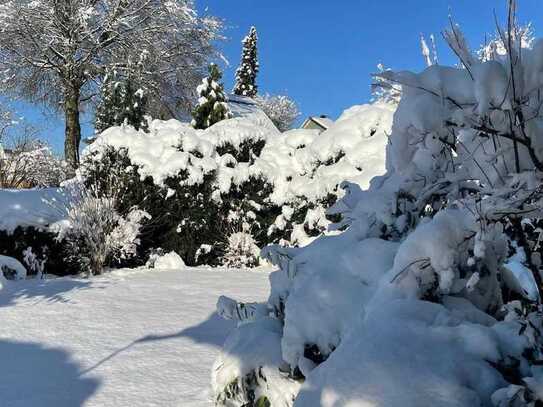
248	69
107	112
122	102
134	105
212	106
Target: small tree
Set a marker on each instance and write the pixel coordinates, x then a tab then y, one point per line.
248	69
107	111
123	101
135	105
281	110
241	251
212	106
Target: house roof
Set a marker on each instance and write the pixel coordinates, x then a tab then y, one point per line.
243	106
321	121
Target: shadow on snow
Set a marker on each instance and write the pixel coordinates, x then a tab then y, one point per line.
47	291
33	375
213	331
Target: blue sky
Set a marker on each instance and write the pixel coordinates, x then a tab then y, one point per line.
321	53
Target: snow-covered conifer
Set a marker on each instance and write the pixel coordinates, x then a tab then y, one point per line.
248	69
241	251
212	106
107	112
123	101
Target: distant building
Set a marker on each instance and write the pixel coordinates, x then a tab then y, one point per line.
320	123
243	106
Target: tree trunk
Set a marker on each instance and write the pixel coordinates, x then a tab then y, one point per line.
73	126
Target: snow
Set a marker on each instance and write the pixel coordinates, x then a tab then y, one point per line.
169	261
403	362
130	338
413	302
9	265
300	164
28	207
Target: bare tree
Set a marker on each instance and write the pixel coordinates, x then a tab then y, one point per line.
55	51
281	110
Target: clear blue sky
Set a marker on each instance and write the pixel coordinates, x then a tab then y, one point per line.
321	53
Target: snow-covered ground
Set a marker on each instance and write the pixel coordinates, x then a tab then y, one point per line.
131	338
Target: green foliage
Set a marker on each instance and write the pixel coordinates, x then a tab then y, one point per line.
180	223
242	390
107	112
262	402
245	152
43	243
212	106
122	101
248	69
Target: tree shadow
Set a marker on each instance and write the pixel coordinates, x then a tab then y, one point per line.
33	375
47	291
213	331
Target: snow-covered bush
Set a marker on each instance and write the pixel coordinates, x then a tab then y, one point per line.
95	233
281	110
43	168
11	269
26	162
212	106
33	262
241	251
431	294
169	260
238	173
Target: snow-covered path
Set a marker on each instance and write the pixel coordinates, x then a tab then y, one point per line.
131	338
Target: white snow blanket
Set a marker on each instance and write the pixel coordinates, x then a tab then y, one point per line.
28	207
299	163
132	338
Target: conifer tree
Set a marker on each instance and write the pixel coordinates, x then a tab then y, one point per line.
122	102
134	105
248	69
107	112
212	106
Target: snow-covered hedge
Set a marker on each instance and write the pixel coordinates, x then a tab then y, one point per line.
431	296
204	187
25	217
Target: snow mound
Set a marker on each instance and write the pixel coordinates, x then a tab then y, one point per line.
169	261
12	269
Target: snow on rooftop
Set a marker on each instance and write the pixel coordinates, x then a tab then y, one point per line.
243	106
324	122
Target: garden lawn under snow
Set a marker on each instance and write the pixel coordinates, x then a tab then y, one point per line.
131	338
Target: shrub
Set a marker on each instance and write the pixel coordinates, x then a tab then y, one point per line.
45	246
241	251
95	233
